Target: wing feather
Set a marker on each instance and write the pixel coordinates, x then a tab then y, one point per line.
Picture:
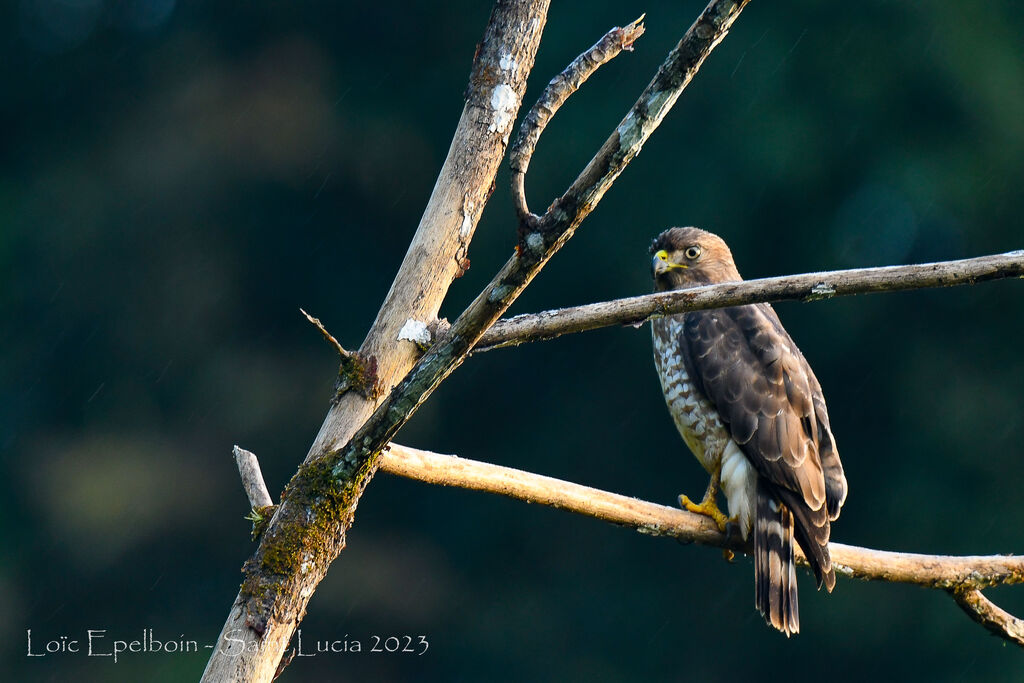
746	364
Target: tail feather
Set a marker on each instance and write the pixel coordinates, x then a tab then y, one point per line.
812	533
774	568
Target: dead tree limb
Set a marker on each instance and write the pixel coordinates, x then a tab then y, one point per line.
998	621
963	577
554	96
261	621
807	287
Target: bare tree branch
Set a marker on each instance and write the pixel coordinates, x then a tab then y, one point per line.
264	615
807	287
554	96
982	610
932	571
963	577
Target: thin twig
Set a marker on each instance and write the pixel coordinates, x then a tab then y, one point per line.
554	96
962	576
252	478
327	335
807	287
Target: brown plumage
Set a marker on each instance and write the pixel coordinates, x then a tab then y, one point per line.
748	404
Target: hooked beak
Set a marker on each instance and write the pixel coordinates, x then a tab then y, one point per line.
660	264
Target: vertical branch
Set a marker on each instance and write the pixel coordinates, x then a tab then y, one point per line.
262	619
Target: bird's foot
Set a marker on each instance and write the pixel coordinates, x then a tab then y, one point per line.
732	535
707	507
732	531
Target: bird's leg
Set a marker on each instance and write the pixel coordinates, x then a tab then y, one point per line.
708	506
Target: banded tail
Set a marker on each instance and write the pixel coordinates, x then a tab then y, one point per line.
775	527
774	568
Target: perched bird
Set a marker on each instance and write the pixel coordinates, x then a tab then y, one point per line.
750	408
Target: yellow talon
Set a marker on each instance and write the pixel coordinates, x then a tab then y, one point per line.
707	507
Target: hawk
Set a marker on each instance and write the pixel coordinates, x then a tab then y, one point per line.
750	408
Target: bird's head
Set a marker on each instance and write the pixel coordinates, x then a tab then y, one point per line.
687	257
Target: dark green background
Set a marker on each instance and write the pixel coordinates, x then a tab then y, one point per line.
176	179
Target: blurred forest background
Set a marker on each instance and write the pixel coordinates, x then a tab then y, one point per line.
177	178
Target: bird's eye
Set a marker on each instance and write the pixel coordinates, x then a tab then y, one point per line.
692	253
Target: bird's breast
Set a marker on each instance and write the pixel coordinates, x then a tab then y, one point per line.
696	418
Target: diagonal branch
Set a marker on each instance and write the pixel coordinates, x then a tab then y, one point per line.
963	577
315	322
807	287
265	613
982	610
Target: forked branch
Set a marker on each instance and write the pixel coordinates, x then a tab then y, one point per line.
553	97
982	610
962	577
